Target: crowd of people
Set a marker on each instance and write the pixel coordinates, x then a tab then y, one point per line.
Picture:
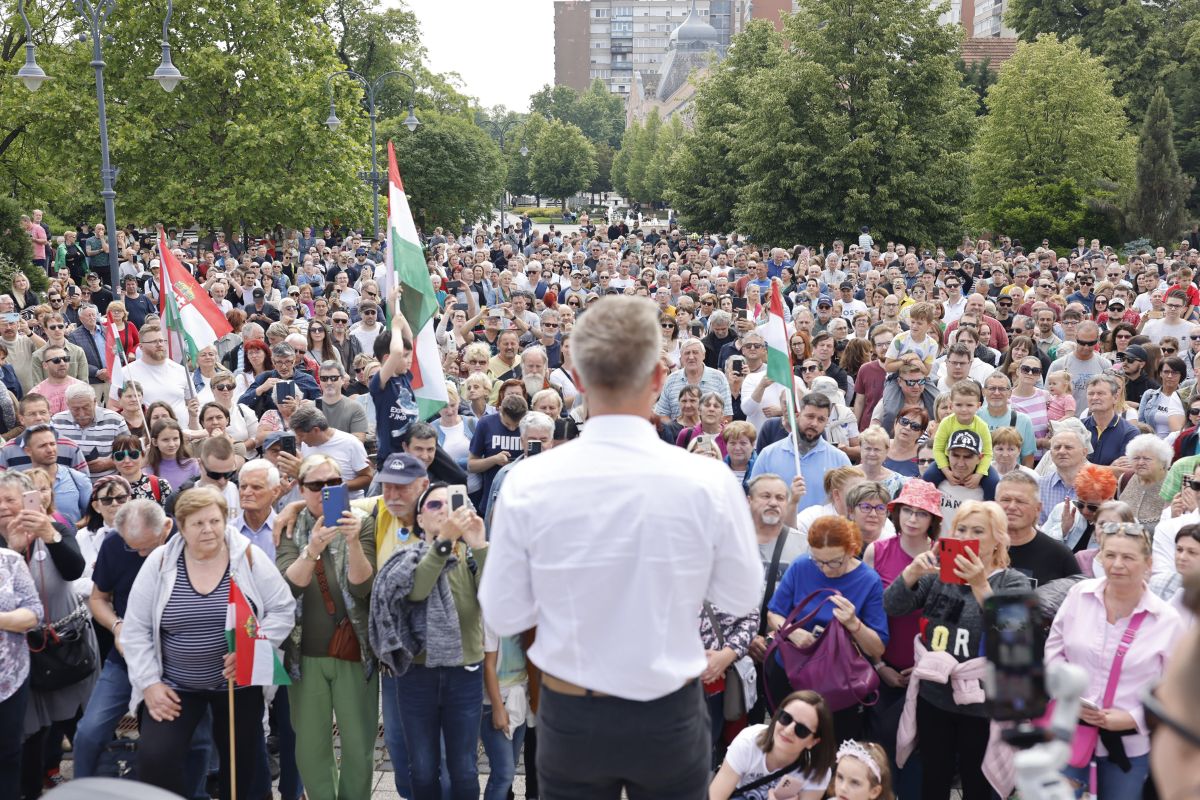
1038	407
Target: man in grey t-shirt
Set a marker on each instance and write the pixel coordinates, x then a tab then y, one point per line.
343	413
1084	362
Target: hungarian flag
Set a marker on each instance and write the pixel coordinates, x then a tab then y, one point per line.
418	303
257	664
191	320
114	359
779	360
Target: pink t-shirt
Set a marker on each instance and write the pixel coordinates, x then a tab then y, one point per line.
890	561
56	394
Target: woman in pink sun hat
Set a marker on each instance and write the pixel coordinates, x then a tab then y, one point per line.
916	514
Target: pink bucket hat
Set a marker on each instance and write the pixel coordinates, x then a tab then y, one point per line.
919	494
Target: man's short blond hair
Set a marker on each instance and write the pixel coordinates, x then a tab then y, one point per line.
616	343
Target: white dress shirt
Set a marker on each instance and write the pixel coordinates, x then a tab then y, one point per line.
610	544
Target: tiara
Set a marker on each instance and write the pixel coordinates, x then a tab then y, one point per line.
855	750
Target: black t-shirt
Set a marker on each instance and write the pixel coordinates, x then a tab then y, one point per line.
116	569
1042	559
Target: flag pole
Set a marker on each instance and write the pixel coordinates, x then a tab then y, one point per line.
790	389
232	748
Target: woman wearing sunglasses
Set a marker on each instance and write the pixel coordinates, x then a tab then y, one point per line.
1073	521
797	745
1137	630
129	455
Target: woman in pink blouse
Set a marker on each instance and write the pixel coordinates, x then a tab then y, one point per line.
1087	630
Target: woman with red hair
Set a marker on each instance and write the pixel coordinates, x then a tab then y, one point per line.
1073	521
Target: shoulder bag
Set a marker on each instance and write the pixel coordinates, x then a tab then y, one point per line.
344	643
831	665
767	780
734	697
60	653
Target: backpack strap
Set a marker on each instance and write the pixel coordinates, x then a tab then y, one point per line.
155	488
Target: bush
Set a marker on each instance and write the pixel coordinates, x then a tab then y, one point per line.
16	248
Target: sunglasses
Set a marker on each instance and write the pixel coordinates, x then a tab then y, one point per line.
809	368
1082	343
121	455
57	360
1193	412
58	327
1092	507
116	499
316	486
434	505
910	382
1030	370
1156	715
330	378
911	424
924	462
1168	351
220	476
1135	529
341	321
1191	483
786	721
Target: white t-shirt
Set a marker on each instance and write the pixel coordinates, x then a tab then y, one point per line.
163	382
952	497
1164	408
852	307
347	451
747	759
1156	329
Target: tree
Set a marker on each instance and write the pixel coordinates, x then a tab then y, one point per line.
644	145
1183	89
1157	206
519	180
862	121
1052	116
562	161
704	176
16	249
598	113
670	136
602	183
452	169
978	77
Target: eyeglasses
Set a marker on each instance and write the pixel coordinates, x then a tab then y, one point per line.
1169	351
924	462
1193	412
1092	507
1082	343
809	368
752	346
786	720
911	382
58	327
996	389
434	505
337	321
121	455
1191	483
1030	370
220	476
911	424
316	486
57	360
875	508
112	499
833	563
1156	714
667	325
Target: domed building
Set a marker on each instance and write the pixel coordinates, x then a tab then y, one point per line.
691	46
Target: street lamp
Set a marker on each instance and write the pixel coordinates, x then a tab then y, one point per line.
376	180
501	129
96	13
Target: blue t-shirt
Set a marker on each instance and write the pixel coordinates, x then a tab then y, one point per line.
116	568
395	410
490	438
862	586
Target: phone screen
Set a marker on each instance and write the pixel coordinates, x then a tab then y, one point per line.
535	447
1016	687
458	497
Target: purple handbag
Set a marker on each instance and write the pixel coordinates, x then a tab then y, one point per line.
832	665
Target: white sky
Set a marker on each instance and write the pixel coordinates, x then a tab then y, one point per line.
503	49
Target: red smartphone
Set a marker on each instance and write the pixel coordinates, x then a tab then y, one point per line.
948	549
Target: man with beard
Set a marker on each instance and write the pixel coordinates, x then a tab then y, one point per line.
815	454
533	370
497	441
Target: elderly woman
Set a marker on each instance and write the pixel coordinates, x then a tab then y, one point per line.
831	563
873	448
1151	458
52	554
1073	521
20	612
711	413
1120	605
174	639
329	565
1006	452
738	437
867	507
952	627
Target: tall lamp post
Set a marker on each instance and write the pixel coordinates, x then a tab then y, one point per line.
374	178
501	129
95	14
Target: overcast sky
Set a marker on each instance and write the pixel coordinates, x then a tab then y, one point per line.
503	49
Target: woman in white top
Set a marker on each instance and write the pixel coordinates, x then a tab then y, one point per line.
560	377
1162	408
796	746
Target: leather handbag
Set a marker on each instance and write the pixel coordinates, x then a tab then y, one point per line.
831	665
343	645
60	653
1083	742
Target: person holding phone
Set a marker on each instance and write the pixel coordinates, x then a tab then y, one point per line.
946	715
789	757
330	569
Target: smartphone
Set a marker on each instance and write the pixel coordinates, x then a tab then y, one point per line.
737	364
789	788
287	443
1120	357
1088	704
535	447
1015	682
335	500
948	549
458	496
32	501
739	303
453	286
461	307
284	390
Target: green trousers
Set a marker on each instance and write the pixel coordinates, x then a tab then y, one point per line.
329	689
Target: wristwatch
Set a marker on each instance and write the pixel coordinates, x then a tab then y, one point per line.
305	554
56	538
443	547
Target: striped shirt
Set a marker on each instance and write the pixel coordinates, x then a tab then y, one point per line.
96	440
711	381
193	634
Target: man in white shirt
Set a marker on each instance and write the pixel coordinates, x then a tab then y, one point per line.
160	378
955	304
614	675
314	434
1172	323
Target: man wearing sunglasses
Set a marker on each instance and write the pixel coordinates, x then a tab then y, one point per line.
1083	361
55	365
56	337
218	470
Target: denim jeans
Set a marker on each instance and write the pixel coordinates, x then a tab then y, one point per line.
290	785
502	754
105	708
439	703
393	737
1111	782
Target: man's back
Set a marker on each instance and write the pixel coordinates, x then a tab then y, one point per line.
610	545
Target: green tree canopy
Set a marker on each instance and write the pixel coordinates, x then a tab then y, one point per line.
562	161
1052	116
1157	207
452	169
598	113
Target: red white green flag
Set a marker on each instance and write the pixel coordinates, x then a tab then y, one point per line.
114	359
779	362
257	663
191	320
418	302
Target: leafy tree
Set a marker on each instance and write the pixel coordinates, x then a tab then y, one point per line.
1157	206
602	183
1052	116
862	121
562	161
1183	89
519	180
704	176
978	77
598	113
644	146
669	138
452	169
